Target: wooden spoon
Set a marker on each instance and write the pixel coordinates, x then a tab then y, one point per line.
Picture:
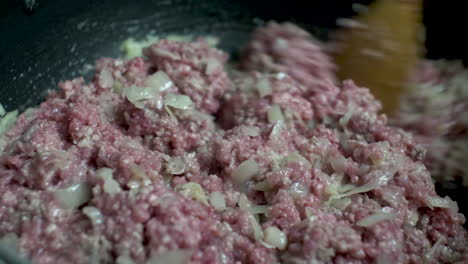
382	48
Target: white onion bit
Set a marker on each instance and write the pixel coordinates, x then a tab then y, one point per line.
374	219
275	114
93	214
7	121
192	190
246	170
275	237
178	256
217	201
110	186
251	131
139	95
74	196
159	80
264	87
2	110
178	101
175	166
339	164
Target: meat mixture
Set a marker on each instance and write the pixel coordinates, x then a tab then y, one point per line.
168	158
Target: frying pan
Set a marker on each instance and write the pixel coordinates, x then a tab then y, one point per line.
58	39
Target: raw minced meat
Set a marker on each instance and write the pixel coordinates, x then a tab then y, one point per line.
436	111
167	159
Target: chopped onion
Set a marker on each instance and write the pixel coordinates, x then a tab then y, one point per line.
275	114
380	179
2	110
212	65
110	186
217	201
252	131
264	87
74	196
159	80
280	75
192	190
298	189
8	121
340	203
262	186
178	101
339	164
374	219
106	80
137	171
175	166
257	229
124	260
259	209
246	170
93	214
9	241
244	203
138	95
276	129
178	256
442	203
296	157
275	237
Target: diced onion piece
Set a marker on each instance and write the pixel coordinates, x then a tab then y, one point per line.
124	260
259	209
178	256
175	166
340	203
246	170
296	157
275	131
298	189
262	186
380	179
212	65
442	203
275	237
138	172
192	190
346	187
106	80
339	164
275	114
138	95
264	87
244	203
93	214
2	110
110	186
252	131
178	101
8	121
257	229
374	219
217	201
9	241
74	196
159	80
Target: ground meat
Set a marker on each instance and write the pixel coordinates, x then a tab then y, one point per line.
166	159
436	112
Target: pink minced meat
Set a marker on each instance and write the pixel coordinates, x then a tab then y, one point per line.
436	111
206	183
